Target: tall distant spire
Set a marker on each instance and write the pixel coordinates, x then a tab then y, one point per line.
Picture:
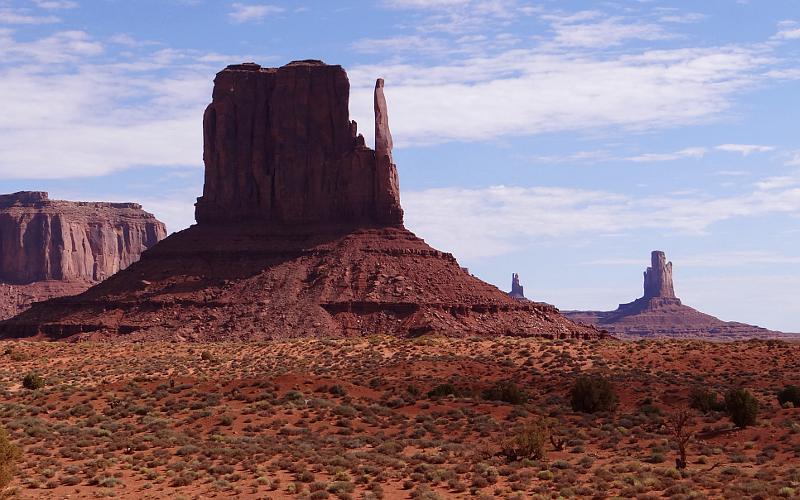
658	277
516	289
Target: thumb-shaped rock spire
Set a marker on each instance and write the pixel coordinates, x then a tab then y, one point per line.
388	188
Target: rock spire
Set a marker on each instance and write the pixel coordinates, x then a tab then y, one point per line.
658	277
517	291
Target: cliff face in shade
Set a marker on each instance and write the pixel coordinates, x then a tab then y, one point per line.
299	233
280	149
50	248
659	313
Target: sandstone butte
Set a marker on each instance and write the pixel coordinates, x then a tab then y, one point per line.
52	248
299	233
659	313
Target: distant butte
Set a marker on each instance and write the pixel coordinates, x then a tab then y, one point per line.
52	248
517	291
659	313
299	233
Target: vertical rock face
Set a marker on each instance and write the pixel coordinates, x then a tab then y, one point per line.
280	150
516	289
42	239
658	277
68	245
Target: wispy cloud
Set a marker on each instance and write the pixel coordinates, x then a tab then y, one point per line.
498	220
744	149
252	13
788	30
10	15
55	4
697	152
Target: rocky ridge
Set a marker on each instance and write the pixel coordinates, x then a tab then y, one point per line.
51	248
300	233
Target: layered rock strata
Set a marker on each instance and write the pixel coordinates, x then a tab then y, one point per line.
300	232
659	313
51	248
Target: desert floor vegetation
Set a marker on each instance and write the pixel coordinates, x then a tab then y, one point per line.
381	417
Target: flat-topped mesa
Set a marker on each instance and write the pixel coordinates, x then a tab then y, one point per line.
516	289
23	198
658	277
280	150
43	239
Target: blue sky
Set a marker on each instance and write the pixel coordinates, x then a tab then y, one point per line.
563	140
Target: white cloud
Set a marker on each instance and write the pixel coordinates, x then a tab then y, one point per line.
744	149
788	30
55	4
23	16
73	116
677	155
606	32
738	258
248	13
497	220
530	91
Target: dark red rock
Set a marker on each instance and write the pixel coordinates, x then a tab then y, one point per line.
517	292
51	248
659	313
280	149
299	234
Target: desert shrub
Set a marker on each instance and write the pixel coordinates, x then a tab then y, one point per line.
33	381
592	394
508	392
9	454
443	390
789	394
527	442
705	401
742	407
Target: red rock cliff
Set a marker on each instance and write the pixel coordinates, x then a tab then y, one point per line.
280	149
43	239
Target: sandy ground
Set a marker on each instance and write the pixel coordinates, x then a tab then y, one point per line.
352	418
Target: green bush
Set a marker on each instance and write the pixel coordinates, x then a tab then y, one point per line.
528	442
9	454
705	401
742	407
443	390
790	394
508	392
33	381
593	393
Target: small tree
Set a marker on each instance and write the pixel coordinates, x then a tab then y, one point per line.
679	423
742	407
9	454
594	393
